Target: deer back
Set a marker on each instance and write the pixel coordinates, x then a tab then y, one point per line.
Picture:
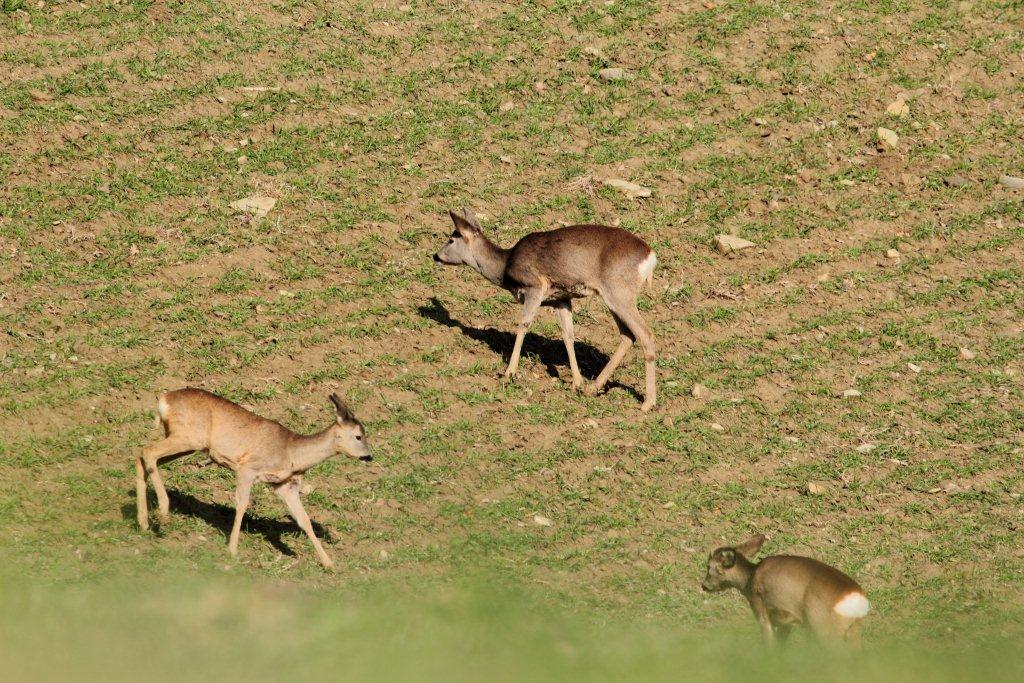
795	584
594	256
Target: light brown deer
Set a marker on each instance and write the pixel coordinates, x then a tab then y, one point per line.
786	590
553	268
256	448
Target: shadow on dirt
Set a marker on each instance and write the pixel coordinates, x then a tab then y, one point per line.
551	352
221	518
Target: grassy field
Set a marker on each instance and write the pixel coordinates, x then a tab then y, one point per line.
128	128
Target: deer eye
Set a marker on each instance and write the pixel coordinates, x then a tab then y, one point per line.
359	437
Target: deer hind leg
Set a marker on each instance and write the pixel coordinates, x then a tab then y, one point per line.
243	490
289	493
563	313
531	304
631	325
146	464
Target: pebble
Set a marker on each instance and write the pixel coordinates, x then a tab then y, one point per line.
699	391
541	520
887	137
956	181
255	205
914	368
967	354
728	244
631	190
851	393
816	488
892	253
898	108
612	74
866	447
1012	182
717	427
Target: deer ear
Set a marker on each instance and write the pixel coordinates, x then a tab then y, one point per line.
750	546
471	219
463	224
342	410
728	557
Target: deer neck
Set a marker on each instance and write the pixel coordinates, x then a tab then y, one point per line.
306	451
490	260
746	574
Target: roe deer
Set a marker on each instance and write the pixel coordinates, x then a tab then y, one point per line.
256	448
785	590
553	268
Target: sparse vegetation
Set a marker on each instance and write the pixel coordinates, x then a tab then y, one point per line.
129	127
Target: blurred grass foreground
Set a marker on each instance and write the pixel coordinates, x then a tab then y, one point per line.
444	630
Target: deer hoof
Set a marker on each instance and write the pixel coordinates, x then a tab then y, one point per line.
647	406
591	390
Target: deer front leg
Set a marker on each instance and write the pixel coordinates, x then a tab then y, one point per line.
563	313
243	489
763	620
289	493
532	300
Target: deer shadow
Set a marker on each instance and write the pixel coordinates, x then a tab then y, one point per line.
551	352
221	517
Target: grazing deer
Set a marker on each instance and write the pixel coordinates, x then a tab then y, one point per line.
256	448
785	590
553	268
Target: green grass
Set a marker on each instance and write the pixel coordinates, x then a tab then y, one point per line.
128	130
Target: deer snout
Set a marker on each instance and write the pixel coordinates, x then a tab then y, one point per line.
437	258
366	458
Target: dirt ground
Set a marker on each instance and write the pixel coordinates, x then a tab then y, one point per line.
128	129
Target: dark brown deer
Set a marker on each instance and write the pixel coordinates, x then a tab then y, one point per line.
553	268
257	449
786	590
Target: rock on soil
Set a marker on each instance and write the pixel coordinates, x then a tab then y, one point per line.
728	244
631	190
887	137
255	205
1012	182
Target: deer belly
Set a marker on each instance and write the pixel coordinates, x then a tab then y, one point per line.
565	292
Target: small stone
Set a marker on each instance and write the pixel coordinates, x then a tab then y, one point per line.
384	554
612	74
668	506
590	422
816	488
40	96
243	160
914	368
631	190
866	447
851	393
791	439
956	181
505	159
967	354
541	520
255	205
699	391
892	253
594	52
506	106
728	244
898	108
1012	182
717	427
887	137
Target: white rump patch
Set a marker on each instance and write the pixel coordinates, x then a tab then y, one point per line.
853	606
646	267
161	407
